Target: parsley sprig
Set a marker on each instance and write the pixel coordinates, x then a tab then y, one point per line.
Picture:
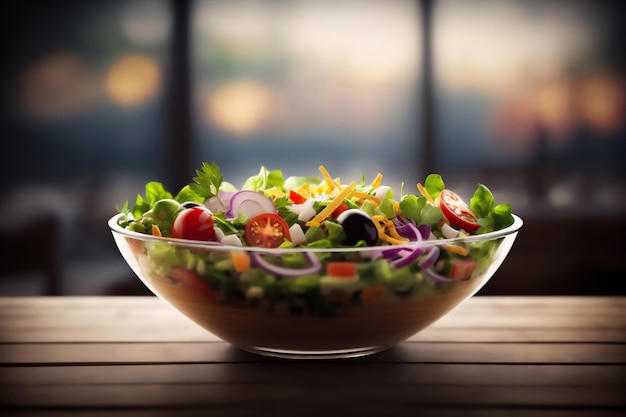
208	181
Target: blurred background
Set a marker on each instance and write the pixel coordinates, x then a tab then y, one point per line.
525	96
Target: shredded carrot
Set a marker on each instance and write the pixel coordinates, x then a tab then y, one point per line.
377	180
327	211
241	261
156	231
459	250
425	193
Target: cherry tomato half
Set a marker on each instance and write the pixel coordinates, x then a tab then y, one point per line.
195	223
457	212
267	230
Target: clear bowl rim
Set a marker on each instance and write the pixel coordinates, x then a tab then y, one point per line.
115	228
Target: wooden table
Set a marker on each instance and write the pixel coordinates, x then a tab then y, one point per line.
135	356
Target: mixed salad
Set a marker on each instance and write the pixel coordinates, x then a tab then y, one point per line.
270	211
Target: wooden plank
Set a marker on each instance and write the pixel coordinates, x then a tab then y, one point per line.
311	396
143	319
481	306
243	410
351	372
190	332
119	353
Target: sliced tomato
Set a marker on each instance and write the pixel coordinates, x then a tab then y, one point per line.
341	269
457	212
195	223
267	230
462	268
296	198
192	281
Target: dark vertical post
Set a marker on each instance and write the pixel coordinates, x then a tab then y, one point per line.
178	141
428	150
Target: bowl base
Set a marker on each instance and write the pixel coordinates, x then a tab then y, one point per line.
315	354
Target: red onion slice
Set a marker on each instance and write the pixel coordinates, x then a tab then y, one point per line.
430	258
429	273
411	232
221	204
314	265
408	259
249	203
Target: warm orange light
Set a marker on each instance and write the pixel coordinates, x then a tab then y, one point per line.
601	103
513	125
239	106
133	79
552	104
59	85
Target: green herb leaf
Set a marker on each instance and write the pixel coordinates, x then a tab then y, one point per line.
490	216
419	210
264	180
154	192
187	194
434	185
482	202
430	214
411	206
502	216
208	181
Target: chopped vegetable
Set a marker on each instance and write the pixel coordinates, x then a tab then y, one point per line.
408	238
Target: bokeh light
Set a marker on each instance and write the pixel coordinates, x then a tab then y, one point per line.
133	79
59	85
239	106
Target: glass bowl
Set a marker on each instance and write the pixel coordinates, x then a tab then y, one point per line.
314	303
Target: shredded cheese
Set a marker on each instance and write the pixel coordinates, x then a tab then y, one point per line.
156	231
377	180
365	196
425	193
322	215
396	208
273	193
329	181
304	190
387	232
459	250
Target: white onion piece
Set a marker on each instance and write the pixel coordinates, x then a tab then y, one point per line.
448	231
306	210
381	192
219	234
250	203
231	240
314	265
297	235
